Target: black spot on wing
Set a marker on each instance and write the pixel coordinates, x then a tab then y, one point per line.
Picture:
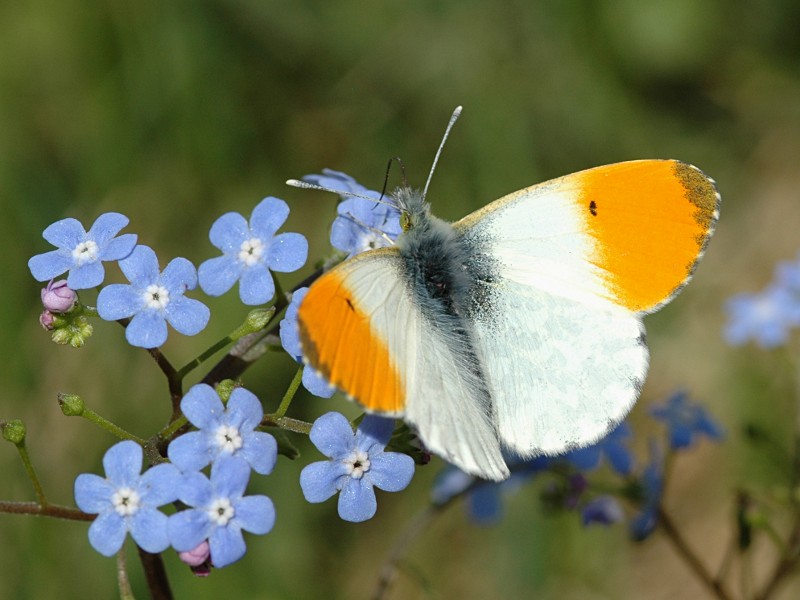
593	208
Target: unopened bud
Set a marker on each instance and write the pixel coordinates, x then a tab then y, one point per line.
13	431
57	297
47	320
225	389
71	405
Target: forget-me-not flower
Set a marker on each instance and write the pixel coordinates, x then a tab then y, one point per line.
223	431
766	317
290	340
357	463
82	253
652	488
126	501
612	446
250	251
361	224
153	299
220	511
603	510
685	420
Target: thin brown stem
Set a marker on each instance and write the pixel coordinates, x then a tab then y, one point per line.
44	510
156	575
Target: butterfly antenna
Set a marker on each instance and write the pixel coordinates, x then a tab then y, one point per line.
456	114
366	227
312	186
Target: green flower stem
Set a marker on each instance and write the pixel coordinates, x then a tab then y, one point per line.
286	401
89	311
37	485
172	428
123	581
116	430
287	423
190	366
44	510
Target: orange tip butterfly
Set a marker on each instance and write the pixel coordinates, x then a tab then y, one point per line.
519	326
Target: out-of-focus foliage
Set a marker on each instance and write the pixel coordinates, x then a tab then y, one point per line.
175	112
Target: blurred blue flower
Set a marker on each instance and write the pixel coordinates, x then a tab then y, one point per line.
223	431
652	487
250	251
126	501
290	340
220	511
787	275
603	510
360	223
684	420
81	252
153	299
613	446
765	317
358	462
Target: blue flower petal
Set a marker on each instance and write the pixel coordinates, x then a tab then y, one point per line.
227	546
146	330
118	301
190	451
268	216
287	252
120	247
357	501
187	315
484	504
107	533
49	265
217	275
332	435
86	276
149	529
202	406
289	332
93	493
141	266
228	232
255	514
260	450
186	529
319	480
374	432
179	275
229	476
106	226
247	408
123	463
316	384
256	286
66	233
196	490
159	485
391	471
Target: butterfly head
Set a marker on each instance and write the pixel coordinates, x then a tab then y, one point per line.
414	211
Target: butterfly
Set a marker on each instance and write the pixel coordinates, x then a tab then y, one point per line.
518	327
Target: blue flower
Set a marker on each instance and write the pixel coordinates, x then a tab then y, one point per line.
223	431
651	487
787	275
361	224
684	420
220	511
127	501
290	340
250	251
358	462
603	510
153	299
765	318
613	446
81	252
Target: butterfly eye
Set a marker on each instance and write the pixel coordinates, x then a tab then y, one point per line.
405	221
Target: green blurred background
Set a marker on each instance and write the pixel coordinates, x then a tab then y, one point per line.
175	112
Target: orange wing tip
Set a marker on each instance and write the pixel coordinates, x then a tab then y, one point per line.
338	340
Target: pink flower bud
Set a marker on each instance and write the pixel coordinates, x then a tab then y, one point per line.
47	320
58	298
196	556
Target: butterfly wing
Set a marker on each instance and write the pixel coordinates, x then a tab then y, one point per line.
565	270
361	329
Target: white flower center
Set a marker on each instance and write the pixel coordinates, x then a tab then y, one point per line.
357	464
220	511
125	501
228	438
251	251
156	297
85	252
369	240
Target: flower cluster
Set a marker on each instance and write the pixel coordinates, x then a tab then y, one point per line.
218	510
766	317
